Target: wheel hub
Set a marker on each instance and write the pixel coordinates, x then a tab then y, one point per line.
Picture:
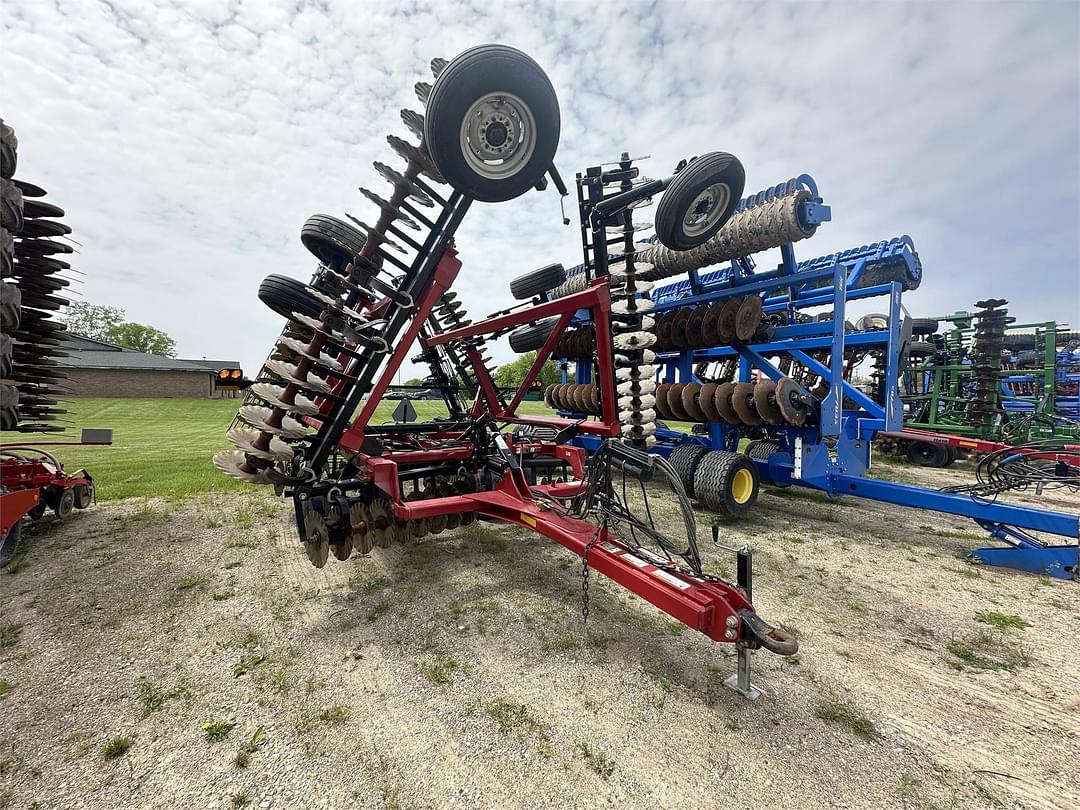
498	135
706	209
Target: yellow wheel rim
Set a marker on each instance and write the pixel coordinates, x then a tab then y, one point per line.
742	486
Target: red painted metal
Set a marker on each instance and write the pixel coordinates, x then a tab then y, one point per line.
445	273
710	607
14	506
1071	452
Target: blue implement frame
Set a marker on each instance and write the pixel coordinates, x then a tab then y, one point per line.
834	454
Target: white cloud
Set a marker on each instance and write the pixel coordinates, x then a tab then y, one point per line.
189	141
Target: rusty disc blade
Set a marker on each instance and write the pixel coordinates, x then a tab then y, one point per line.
722	400
690	402
674	402
765	402
748	317
790	396
661	400
742	399
725	326
707	401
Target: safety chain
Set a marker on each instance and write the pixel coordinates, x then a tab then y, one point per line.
585	573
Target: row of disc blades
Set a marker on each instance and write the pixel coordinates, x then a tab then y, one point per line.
363	527
714	324
32	294
306	373
761	403
986	356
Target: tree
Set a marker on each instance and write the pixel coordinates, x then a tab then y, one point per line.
92	320
142	338
108	324
511	375
415	381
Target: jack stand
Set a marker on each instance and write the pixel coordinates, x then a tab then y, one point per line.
740	681
744	577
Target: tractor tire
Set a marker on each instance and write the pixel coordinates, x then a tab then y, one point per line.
685	459
11	206
726	482
538	281
331	241
475	105
10	307
923	326
716	178
285	295
928	454
9	151
530	338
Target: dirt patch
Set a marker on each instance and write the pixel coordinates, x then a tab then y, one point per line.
160	655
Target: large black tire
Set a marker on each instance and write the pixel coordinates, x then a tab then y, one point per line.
285	295
762	449
538	281
11	206
923	326
685	459
921	348
9	151
9	544
10	307
331	241
872	322
718	173
5	356
530	338
482	75
928	454
9	407
726	482
1027	359
7	253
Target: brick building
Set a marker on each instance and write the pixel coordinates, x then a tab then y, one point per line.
95	368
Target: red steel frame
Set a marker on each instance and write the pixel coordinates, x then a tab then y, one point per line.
708	606
1070	453
26	482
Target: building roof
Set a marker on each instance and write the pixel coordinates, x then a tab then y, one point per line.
84	352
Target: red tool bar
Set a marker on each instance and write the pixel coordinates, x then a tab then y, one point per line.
702	605
445	273
541	357
595	297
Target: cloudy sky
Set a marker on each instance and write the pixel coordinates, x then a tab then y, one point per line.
188	141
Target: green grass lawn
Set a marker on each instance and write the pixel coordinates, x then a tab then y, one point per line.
163	447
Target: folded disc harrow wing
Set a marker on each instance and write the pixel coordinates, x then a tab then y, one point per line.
489	132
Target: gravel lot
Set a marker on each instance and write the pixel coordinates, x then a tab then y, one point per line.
186	654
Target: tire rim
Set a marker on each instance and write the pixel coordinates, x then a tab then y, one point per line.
498	135
706	209
742	486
